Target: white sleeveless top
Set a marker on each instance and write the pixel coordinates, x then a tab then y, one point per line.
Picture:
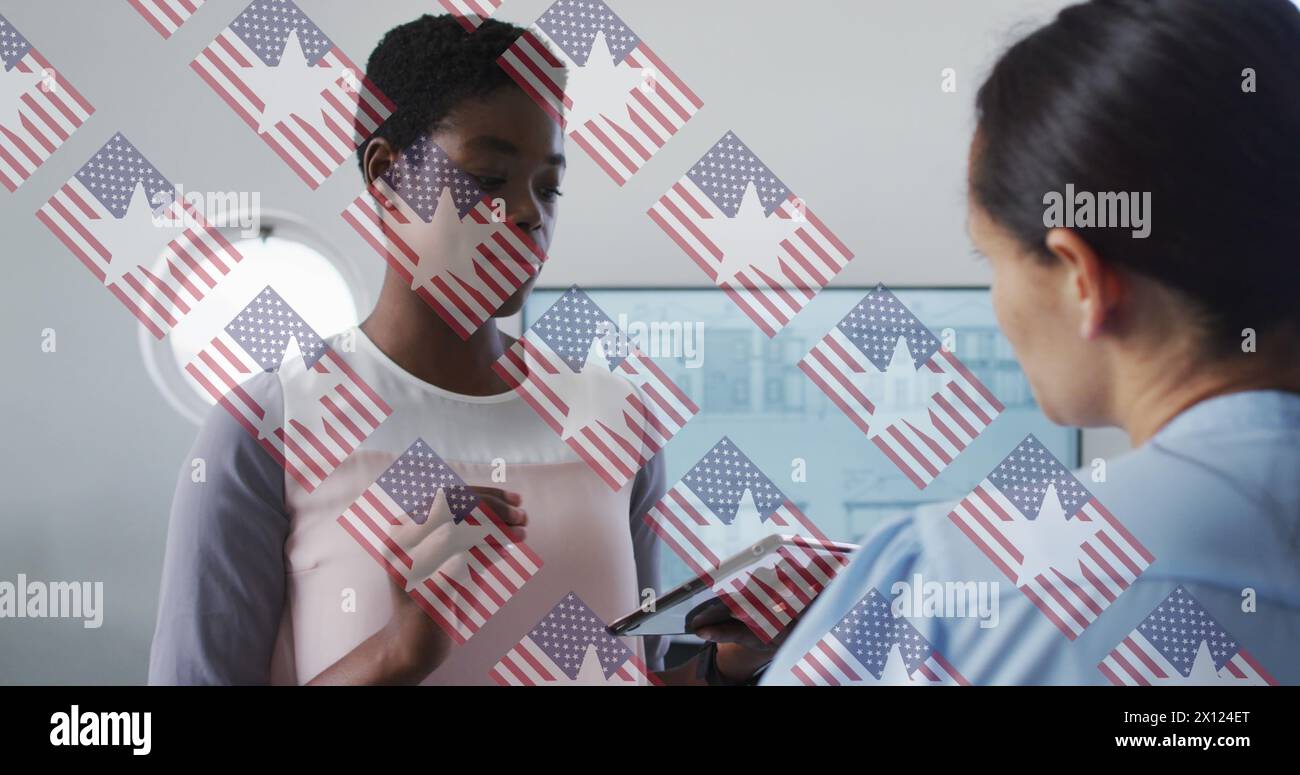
337	595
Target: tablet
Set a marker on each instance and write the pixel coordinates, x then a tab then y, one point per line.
696	600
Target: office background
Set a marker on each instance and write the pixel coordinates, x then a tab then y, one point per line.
841	98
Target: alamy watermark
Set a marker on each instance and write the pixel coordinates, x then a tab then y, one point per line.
1102	210
94	728
657	338
221	209
24	599
947	599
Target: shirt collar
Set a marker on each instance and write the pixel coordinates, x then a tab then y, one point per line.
1250	409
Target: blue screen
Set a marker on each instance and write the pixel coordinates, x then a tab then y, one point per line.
750	388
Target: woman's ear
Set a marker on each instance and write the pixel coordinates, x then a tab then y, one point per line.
378	158
1092	284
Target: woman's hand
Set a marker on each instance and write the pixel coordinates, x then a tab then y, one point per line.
411	644
740	652
419	643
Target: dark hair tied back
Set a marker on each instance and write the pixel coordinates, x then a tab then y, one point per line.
1150	96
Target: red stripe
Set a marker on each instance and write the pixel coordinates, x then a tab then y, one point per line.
384	538
445	597
35	131
300	455
1142	656
978	541
169	12
1123	663
393	573
1119	553
149	299
803	676
835	659
63	85
956	416
1105	566
681	242
375	503
447	625
1080	593
466	595
971	380
1048	612
337	361
664	70
81	230
654	111
1118	527
598	157
149	17
833	394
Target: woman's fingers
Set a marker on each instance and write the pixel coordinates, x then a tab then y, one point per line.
435	540
503	504
513	498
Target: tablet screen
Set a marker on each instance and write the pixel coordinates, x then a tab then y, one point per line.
698	602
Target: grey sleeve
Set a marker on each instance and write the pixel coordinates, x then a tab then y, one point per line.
649	486
223	574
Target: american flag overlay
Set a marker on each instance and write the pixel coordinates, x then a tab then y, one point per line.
570	646
871	645
121	218
39	109
470	13
1051	537
916	402
166	16
614	96
433	224
1180	643
439	542
279	72
724	504
327	409
750	234
607	400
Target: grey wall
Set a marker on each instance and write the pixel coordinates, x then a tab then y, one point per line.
841	98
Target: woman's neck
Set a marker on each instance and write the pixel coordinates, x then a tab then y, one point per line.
1164	389
412	335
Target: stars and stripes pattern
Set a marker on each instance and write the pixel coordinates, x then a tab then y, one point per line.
750	235
623	129
608	401
1181	642
324	411
120	217
871	645
470	13
570	646
1047	533
484	568
400	218
851	365
39	109
707	501
248	66
166	16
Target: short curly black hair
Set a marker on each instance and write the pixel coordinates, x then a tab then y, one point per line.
428	66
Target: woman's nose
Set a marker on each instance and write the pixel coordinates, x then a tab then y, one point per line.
523	210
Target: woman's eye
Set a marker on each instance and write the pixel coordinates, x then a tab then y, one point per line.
551	193
488	182
977	255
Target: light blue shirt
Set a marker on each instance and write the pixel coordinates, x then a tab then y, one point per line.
1214	496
